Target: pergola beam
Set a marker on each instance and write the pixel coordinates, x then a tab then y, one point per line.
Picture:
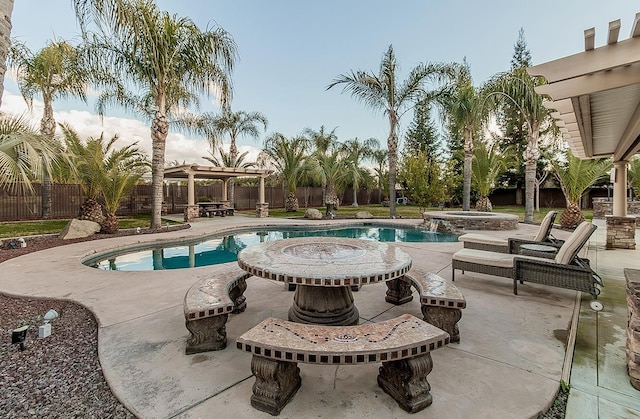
614	32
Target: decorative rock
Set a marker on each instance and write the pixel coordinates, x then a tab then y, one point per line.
76	229
363	215
313	214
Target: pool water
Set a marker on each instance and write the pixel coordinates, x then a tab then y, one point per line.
222	249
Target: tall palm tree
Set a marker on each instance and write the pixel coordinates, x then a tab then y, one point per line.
383	91
488	165
287	156
380	158
53	72
235	124
6	9
518	88
25	155
166	57
575	176
463	107
321	141
358	151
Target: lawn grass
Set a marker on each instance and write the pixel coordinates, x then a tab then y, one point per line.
30	228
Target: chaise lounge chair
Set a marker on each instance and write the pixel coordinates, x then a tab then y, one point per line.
512	245
565	270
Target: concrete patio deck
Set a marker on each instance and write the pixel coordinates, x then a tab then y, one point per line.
508	363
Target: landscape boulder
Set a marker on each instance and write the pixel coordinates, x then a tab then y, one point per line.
363	215
76	229
313	214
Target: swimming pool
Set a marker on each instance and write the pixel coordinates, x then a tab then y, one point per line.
224	247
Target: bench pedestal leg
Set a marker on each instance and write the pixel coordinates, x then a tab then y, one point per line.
276	383
208	334
446	318
406	381
398	292
237	296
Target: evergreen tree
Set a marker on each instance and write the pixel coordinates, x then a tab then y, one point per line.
422	134
512	122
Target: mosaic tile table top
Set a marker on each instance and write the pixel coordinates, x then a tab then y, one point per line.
325	261
403	337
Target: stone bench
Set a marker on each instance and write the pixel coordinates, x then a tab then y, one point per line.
441	301
207	305
403	345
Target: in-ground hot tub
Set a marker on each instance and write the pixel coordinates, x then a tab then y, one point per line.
470	220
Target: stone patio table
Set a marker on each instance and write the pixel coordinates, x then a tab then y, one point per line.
324	269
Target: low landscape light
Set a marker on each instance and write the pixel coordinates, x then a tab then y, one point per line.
19	335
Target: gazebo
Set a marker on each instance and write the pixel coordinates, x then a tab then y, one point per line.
193	171
595	98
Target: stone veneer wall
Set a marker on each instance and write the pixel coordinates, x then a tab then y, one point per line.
6	8
633	326
192	212
621	232
603	207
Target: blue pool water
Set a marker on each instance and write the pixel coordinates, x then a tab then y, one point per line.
225	248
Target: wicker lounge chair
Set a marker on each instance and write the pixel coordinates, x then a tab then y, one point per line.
565	270
512	245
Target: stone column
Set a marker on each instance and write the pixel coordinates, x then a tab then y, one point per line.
633	326
621	232
225	186
262	208
192	211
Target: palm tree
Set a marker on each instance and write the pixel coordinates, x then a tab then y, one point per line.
518	88
103	171
383	91
322	141
463	107
288	157
380	158
166	57
488	165
333	169
224	159
358	151
24	154
53	72
634	174
235	124
575	176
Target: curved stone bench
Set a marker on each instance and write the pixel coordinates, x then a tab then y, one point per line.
403	345
207	305
441	301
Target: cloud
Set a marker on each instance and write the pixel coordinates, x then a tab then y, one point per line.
178	147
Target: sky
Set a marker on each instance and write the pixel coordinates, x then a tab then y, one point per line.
290	50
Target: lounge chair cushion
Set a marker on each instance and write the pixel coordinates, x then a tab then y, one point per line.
545	227
483	239
574	243
483	257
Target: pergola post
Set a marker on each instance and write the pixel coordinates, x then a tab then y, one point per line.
621	229
225	188
262	208
192	210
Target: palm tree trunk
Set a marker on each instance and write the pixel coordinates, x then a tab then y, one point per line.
233	154
47	129
159	132
466	174
531	156
355	195
392	149
6	8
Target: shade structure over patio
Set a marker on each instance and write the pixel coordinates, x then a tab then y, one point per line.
595	96
194	171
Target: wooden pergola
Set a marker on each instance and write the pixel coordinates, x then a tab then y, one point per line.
595	99
193	171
